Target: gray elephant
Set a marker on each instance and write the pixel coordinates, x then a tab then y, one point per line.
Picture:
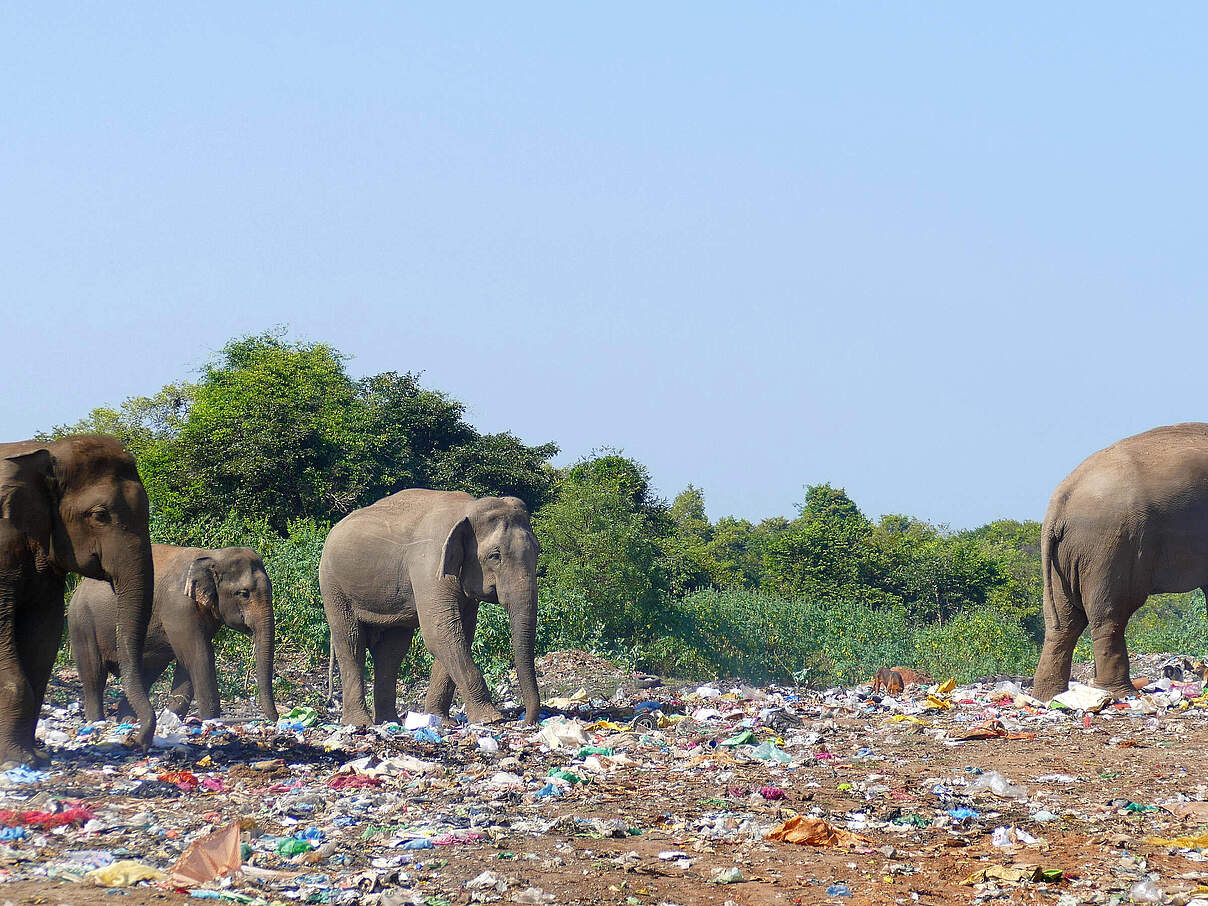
1130	521
197	591
75	505
425	559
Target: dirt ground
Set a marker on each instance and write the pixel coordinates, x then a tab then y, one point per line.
688	810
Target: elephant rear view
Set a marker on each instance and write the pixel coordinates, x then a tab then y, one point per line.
426	559
1130	521
197	591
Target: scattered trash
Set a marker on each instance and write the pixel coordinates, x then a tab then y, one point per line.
435	812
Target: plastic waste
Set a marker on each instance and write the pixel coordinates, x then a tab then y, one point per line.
996	783
768	751
812	832
488	880
213	856
533	896
1146	891
417	720
561	733
169	730
298	718
838	890
731	875
1083	698
124	873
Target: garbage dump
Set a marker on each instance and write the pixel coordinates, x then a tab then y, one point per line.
651	792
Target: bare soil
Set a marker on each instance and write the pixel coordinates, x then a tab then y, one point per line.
695	800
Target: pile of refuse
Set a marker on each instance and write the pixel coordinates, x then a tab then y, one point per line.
657	794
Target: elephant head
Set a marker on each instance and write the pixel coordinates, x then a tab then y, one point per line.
493	551
81	505
231	586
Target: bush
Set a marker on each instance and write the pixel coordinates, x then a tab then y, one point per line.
973	644
762	638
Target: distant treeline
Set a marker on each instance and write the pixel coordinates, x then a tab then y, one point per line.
275	441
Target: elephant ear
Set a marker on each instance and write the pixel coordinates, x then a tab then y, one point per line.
27	498
201	584
454	553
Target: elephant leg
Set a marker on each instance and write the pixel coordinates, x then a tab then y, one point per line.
1111	652
39	631
348	643
1057	655
182	690
150	674
193	649
445	635
389	649
440	685
92	674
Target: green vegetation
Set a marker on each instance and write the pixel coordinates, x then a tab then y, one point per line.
275	441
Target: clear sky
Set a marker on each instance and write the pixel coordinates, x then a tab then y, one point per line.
935	254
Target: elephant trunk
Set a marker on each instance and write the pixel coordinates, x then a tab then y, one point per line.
135	589
522	619
263	641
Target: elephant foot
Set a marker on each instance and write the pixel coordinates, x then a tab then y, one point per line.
1120	690
145	734
483	714
356	718
1046	692
15	756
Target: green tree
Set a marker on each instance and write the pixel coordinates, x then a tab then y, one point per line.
277	429
823	552
599	542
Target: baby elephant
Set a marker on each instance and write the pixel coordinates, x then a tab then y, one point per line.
197	591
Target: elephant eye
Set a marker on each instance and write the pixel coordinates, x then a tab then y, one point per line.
244	593
495	557
99	514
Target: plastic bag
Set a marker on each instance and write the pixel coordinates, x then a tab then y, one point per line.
560	733
124	873
213	856
997	784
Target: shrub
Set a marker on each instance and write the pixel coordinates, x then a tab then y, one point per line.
975	643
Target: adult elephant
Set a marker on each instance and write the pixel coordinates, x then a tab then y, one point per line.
75	505
197	591
426	559
1130	521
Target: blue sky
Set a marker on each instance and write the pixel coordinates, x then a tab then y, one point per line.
933	254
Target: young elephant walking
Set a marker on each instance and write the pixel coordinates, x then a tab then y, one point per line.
197	592
425	559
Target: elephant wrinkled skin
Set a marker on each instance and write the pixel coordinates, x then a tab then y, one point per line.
425	559
197	592
74	505
1130	521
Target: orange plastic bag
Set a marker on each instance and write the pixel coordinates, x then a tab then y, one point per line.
213	856
813	832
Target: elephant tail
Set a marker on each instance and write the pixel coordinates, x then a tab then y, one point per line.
331	674
1051	536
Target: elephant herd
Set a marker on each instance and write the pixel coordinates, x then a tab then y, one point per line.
1130	521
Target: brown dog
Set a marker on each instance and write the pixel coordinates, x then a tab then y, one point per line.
913	677
889	680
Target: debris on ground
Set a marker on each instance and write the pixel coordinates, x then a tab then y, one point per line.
645	792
